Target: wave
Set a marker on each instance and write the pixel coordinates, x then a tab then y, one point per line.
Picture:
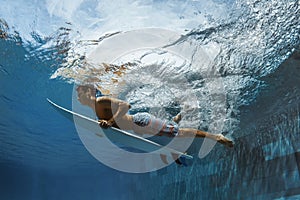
255	38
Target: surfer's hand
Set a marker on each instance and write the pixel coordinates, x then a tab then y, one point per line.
105	124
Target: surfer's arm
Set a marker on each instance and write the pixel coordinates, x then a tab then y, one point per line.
122	109
118	108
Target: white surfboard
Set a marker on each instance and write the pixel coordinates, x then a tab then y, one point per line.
119	136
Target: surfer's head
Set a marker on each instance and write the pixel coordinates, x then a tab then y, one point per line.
86	94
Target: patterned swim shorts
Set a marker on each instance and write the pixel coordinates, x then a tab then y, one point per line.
149	121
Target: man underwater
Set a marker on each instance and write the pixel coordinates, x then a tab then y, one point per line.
112	112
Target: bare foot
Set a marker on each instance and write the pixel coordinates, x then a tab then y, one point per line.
223	140
177	118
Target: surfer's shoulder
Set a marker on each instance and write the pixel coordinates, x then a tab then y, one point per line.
108	99
104	99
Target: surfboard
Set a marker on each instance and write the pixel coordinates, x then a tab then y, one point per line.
119	136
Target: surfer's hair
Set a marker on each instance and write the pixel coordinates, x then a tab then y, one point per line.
88	90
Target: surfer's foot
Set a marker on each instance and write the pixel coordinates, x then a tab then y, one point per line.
177	118
223	140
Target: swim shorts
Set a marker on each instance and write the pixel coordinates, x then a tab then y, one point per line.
149	121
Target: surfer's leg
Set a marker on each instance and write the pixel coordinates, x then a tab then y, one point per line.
189	132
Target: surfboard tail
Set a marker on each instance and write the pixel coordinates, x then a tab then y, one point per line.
179	160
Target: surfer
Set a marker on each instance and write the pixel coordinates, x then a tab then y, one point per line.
113	112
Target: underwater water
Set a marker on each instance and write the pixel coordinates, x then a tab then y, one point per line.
233	67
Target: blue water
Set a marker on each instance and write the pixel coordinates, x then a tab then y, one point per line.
41	154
